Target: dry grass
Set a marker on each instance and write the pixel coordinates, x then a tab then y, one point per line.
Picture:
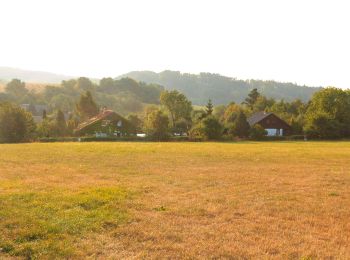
176	200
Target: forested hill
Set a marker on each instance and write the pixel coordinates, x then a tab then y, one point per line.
221	89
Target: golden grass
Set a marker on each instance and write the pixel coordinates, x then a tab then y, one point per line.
176	200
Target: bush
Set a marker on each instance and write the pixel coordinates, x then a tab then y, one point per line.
274	138
57	139
295	137
16	125
156	125
113	139
257	132
211	128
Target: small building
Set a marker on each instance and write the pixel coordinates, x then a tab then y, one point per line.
273	125
106	123
35	109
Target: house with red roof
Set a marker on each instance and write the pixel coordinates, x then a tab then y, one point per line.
106	123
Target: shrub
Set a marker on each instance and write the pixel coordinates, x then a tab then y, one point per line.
16	125
257	132
211	128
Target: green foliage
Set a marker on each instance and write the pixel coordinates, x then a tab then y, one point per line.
16	125
182	126
84	84
257	132
209	129
328	114
209	108
55	126
86	106
219	112
16	88
60	124
136	121
156	125
252	98
296	124
231	113
322	125
177	105
221	89
142	92
262	103
197	115
240	126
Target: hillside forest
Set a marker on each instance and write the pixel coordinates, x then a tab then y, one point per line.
222	89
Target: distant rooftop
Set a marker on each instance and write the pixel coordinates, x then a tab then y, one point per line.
257	117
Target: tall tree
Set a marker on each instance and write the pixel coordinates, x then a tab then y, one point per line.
209	108
252	98
16	125
84	84
60	124
328	114
16	88
176	104
231	113
156	125
86	106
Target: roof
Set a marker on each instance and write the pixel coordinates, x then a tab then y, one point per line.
257	117
103	114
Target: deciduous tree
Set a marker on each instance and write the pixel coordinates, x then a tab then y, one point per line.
176	104
16	125
86	106
156	125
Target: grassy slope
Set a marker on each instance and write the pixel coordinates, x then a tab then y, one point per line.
248	200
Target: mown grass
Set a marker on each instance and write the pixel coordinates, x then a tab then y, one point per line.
268	200
39	224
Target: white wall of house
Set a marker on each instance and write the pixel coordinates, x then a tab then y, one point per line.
274	132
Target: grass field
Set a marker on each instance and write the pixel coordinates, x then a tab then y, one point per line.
175	200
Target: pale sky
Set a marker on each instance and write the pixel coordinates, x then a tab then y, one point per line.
302	41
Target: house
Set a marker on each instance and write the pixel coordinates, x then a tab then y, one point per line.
36	109
106	123
274	125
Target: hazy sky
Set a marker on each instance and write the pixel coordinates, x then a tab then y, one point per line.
301	41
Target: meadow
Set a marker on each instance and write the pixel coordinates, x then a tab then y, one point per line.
248	200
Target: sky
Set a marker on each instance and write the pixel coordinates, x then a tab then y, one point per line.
300	41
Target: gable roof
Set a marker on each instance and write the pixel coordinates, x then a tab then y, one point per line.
102	115
257	117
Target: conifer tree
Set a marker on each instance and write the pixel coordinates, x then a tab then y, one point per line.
209	108
252	98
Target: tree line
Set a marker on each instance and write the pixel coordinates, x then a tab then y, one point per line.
124	95
221	89
325	116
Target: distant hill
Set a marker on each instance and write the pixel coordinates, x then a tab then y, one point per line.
198	88
6	74
221	89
